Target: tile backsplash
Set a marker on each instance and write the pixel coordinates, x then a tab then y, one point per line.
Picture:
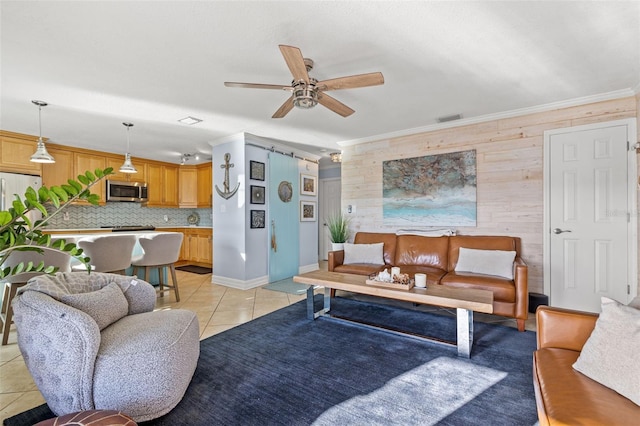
120	214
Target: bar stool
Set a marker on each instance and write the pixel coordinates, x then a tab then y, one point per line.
160	251
108	253
13	283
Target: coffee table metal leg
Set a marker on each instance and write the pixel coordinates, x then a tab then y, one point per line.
465	332
311	314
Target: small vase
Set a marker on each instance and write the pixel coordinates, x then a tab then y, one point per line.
337	246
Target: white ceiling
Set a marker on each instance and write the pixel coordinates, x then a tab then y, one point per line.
98	64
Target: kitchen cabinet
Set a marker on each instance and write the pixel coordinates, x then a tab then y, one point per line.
90	162
61	171
16	150
116	163
162	185
188	190
197	245
205	185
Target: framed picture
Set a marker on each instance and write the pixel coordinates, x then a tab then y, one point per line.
257	218
307	211
308	185
256	170
257	194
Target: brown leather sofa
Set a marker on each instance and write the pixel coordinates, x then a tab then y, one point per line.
437	258
563	395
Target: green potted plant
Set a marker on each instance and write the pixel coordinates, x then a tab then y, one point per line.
338	226
19	233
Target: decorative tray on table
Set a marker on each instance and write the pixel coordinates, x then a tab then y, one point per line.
399	282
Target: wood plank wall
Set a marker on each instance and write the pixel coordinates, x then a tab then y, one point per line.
509	171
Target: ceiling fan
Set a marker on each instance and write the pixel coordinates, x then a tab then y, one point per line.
307	92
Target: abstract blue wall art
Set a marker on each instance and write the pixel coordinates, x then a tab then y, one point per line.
435	190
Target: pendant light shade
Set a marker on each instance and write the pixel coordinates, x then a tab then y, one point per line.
41	155
127	167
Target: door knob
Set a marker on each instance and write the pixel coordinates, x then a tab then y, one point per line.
560	231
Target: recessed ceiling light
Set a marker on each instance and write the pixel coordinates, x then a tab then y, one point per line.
190	120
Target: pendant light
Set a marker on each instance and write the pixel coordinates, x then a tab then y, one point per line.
127	167
41	155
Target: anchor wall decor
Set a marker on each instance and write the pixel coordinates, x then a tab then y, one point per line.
226	194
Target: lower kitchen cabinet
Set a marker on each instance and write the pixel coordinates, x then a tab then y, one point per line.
197	246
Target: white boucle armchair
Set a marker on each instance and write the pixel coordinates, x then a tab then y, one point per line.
93	341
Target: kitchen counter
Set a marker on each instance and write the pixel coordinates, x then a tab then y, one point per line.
103	230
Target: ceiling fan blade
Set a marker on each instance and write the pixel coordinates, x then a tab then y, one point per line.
257	85
295	62
334	105
284	108
352	82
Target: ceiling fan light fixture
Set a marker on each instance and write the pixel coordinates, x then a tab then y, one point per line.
305	95
127	166
41	155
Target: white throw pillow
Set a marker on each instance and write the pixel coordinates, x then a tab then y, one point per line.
488	262
610	355
363	253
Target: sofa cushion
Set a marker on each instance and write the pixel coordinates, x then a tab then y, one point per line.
610	354
564	396
434	275
363	253
503	289
388	239
360	268
105	306
488	262
424	251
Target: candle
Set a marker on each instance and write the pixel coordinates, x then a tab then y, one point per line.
421	280
395	271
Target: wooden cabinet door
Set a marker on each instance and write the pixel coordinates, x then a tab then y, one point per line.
154	185
204	248
205	194
170	186
88	162
188	179
59	172
16	152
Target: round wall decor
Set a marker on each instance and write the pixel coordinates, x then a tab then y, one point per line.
285	191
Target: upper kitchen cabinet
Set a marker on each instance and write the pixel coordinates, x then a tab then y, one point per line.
162	180
188	190
84	162
195	186
205	185
61	171
116	163
16	150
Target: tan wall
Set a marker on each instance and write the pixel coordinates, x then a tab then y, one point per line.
509	171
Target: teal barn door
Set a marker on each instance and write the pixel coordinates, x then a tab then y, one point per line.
284	227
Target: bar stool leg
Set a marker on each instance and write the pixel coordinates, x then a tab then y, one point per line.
175	282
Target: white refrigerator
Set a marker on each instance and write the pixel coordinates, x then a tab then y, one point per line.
14	183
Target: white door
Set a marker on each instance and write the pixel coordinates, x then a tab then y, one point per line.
591	240
330	203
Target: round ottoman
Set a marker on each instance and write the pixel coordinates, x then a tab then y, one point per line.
91	417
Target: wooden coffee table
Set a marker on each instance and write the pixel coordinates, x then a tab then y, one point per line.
465	301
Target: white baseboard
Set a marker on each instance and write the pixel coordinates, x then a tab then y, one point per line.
240	284
308	268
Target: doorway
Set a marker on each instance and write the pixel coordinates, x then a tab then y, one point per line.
590	221
330	202
284	253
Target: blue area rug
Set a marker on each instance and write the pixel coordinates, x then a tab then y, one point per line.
284	369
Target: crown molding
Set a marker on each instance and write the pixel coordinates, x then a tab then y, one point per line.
618	94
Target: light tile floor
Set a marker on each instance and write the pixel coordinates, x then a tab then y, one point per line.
218	308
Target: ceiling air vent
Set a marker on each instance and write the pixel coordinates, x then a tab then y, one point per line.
449	118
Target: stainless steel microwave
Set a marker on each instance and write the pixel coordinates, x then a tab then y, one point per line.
133	192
